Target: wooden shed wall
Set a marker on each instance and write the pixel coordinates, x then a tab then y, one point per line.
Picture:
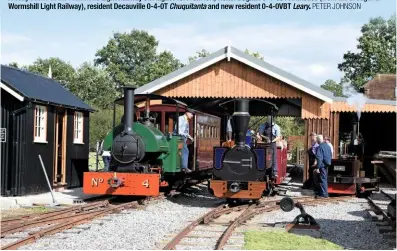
341	106
326	127
236	80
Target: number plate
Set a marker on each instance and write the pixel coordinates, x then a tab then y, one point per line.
339	168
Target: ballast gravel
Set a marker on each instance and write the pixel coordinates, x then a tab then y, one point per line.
132	229
346	224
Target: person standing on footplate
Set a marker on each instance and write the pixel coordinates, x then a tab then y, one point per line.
229	129
323	158
272	131
183	126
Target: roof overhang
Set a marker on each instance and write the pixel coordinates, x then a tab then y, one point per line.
228	53
11	91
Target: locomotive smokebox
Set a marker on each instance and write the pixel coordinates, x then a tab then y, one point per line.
241	118
128	146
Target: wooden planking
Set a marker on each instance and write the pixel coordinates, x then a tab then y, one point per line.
326	127
230	79
345	107
236	80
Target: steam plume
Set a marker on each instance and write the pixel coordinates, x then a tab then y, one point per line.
355	99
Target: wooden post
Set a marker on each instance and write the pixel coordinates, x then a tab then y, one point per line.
306	160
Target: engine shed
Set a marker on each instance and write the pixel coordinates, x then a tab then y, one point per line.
40	117
229	73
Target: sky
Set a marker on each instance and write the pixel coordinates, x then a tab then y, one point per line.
309	44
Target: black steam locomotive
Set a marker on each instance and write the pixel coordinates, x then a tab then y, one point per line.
242	171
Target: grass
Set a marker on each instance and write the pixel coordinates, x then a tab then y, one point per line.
280	240
14	212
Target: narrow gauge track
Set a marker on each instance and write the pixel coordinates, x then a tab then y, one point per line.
59	220
384	214
246	212
380	203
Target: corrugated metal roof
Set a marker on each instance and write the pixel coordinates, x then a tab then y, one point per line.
233	53
36	87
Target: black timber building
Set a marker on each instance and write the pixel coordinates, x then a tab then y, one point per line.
40	117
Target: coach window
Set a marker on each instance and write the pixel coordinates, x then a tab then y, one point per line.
40	124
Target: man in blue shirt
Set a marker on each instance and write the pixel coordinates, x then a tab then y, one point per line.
183	130
323	158
272	132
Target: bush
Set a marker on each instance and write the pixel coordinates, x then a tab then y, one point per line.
101	122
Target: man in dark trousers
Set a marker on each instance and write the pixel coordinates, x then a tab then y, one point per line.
323	158
311	152
271	131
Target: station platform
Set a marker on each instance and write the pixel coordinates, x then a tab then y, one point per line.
66	197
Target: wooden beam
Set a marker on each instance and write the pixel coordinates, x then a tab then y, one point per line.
306	160
55	170
64	145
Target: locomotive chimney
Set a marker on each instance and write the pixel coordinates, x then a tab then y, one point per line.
241	118
128	109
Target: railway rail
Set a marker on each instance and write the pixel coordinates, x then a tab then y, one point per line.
57	221
384	213
245	212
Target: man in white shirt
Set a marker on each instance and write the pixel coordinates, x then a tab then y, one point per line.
183	130
106	158
229	130
326	139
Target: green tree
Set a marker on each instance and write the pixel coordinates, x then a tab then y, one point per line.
163	64
131	58
204	53
376	52
288	125
335	88
199	54
254	54
15	65
94	86
101	122
62	71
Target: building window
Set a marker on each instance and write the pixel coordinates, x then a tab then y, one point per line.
78	128
40	124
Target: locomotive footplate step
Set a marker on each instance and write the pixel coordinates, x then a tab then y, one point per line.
303	224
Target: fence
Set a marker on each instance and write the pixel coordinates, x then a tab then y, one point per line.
95	162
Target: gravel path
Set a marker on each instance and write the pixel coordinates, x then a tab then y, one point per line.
132	229
345	224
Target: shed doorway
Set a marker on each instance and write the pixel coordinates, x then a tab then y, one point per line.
60	147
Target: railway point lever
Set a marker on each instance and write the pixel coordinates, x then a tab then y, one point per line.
54	202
